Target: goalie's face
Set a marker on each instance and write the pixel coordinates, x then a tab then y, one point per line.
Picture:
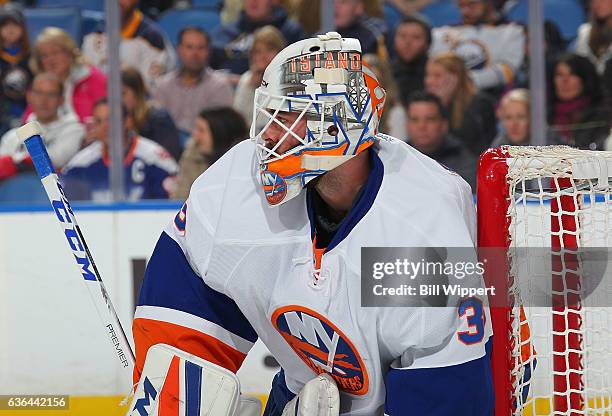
282	135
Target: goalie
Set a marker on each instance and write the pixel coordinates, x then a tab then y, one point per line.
283	265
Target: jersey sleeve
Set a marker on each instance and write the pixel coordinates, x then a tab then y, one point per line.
178	308
461	389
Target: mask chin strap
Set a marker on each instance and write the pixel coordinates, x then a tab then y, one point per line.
326	163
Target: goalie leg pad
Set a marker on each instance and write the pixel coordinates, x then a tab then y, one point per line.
174	382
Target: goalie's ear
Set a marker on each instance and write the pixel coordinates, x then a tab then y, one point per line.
171	377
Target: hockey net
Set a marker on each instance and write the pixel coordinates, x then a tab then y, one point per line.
549	359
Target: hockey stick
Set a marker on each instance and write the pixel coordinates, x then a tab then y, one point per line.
30	134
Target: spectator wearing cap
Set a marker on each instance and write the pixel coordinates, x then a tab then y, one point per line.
62	132
143	44
56	52
194	86
595	36
492	49
149	170
232	41
578	114
15	75
351	21
428	132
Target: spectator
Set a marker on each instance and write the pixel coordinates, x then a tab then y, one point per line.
267	42
472	114
15	75
554	46
149	121
578	115
62	133
232	42
55	51
351	21
492	50
428	132
214	133
193	86
411	43
595	37
308	13
513	113
393	118
143	44
148	168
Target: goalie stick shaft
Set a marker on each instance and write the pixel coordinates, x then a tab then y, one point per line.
30	135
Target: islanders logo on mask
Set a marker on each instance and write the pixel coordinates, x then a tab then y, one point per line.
274	186
322	346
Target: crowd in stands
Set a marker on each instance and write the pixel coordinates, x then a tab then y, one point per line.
452	90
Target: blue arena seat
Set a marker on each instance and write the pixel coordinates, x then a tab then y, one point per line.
172	21
566	14
23	188
442	12
208	4
67	18
97	5
392	16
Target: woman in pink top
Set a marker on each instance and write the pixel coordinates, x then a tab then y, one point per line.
56	52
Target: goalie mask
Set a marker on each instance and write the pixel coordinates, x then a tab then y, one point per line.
316	108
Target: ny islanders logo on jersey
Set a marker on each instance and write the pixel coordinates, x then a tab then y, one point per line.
322	346
274	187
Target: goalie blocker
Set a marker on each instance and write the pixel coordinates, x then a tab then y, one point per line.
174	382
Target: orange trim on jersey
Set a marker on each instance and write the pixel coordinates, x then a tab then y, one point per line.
508	73
292	164
128	157
130	28
317	253
12	59
525	337
169	397
296	342
148	332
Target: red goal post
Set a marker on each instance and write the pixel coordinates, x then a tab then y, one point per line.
557	359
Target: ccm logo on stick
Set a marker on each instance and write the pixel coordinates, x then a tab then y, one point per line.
63	211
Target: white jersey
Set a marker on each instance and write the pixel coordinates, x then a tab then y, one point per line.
62	139
491	53
311	320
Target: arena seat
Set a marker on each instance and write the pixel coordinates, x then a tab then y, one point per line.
97	5
566	14
23	188
392	16
67	18
172	21
442	12
209	4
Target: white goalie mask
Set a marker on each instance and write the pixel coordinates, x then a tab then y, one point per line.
316	108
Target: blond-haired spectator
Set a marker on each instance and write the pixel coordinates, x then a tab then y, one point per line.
267	42
471	113
56	52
